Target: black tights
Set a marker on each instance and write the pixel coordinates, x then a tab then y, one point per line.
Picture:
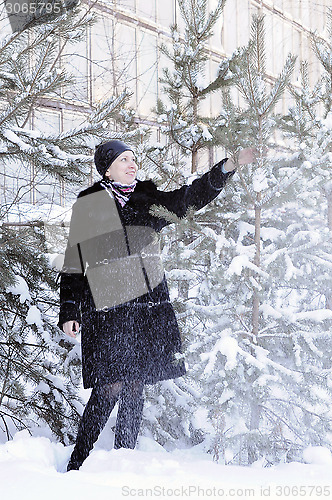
97	412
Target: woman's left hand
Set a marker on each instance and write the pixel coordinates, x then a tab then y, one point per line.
245	156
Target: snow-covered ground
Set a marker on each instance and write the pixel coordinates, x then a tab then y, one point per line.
32	468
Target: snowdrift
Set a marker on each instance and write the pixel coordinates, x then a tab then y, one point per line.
33	468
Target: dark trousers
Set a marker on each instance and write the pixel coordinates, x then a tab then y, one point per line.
97	412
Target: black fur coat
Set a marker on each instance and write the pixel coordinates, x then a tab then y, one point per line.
113	284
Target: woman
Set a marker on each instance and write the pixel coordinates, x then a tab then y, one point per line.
113	285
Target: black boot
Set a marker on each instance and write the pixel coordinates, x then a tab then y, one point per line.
129	415
95	416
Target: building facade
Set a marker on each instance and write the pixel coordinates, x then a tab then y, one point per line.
122	50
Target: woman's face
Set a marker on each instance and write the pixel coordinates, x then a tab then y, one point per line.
123	169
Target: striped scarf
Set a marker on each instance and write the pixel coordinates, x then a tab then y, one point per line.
121	192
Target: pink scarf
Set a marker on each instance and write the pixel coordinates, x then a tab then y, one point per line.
121	192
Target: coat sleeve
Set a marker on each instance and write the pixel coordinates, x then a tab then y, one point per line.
71	282
198	194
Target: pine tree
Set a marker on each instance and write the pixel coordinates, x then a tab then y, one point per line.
303	251
40	369
187	85
248	391
187	133
308	123
264	350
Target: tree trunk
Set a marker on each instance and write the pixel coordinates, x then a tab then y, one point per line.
194	161
194	154
184	285
328	193
255	409
257	262
253	454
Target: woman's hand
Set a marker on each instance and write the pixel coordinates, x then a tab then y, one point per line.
71	328
245	156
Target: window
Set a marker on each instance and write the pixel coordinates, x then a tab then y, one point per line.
166	12
75	60
126	58
278	45
217	39
269	43
147	8
243	22
127	4
305	13
230	27
147	72
104	69
279	4
297	50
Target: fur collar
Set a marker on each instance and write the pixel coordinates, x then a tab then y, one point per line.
142	187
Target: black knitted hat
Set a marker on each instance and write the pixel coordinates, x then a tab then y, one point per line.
106	153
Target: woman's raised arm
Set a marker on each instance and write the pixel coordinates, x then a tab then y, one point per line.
205	188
